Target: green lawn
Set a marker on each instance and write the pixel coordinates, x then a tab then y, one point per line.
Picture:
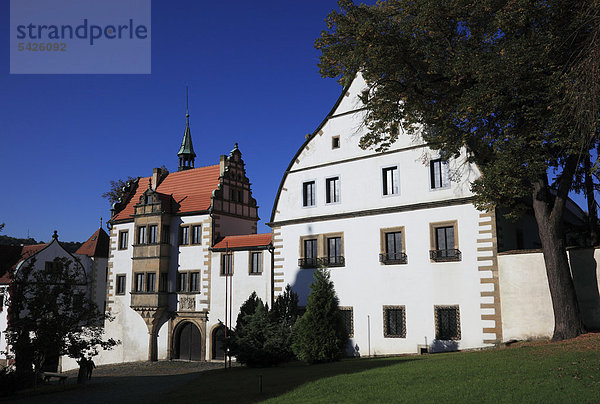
529	372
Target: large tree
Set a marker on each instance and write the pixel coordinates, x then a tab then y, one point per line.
496	77
50	313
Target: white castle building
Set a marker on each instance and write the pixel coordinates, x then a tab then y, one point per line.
415	265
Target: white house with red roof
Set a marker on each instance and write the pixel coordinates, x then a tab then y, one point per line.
177	239
91	259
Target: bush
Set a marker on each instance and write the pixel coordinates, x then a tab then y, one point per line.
320	335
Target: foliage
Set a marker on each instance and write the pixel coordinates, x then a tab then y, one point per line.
2	226
320	335
116	190
50	313
285	308
489	77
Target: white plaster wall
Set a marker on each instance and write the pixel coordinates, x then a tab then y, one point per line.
187	257
367	285
524	297
243	285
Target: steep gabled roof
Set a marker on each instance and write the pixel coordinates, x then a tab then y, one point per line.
11	256
243	241
191	191
96	246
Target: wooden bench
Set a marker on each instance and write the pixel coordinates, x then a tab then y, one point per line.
47	376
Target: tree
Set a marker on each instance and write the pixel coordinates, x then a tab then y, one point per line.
285	308
117	190
50	314
320	335
488	76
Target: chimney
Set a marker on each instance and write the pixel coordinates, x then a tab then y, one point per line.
222	163
158	174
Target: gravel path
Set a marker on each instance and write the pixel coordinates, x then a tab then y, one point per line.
136	382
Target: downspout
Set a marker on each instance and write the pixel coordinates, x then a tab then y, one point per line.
272	250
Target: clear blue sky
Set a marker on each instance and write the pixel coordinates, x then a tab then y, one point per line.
252	72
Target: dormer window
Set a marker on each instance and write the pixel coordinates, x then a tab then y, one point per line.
148	199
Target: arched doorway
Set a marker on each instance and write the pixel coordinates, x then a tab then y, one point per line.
218	343
188	344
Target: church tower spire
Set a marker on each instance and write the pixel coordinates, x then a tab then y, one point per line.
186	151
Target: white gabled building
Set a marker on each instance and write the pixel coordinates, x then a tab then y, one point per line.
167	270
414	263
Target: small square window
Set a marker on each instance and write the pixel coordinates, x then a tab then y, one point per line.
123	240
256	263
348	317
332	190
447	323
394	322
308	193
335	142
121	279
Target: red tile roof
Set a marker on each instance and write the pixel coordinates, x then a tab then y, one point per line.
11	256
191	189
96	246
247	240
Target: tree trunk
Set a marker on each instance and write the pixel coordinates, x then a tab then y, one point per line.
591	202
549	211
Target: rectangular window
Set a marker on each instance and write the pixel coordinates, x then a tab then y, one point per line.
348	317
226	264
439	174
152	234
182	282
150	282
184	235
50	265
256	262
121	284
332	190
447	323
194	281
335	142
163	282
334	251
166	234
123	240
309	249
308	193
390	181
139	282
393	248
196	234
141	235
394	322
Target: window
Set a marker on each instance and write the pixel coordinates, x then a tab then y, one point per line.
194	281
335	142
148	199
139	282
184	235
309	249
141	235
121	284
332	190
163	282
392	246
348	317
166	234
123	240
439	174
152	234
390	181
444	242
447	323
51	265
150	282
256	263
226	264
335	258
394	322
308	193
182	281
196	234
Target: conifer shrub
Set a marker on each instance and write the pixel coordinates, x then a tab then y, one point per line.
320	335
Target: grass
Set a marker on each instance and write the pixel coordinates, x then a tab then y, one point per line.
567	371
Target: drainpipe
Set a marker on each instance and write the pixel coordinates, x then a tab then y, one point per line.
272	251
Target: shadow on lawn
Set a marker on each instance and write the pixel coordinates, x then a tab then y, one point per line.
241	385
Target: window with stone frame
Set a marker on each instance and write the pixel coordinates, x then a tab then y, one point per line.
182	279
184	235
394	321
226	264
196	234
309	253
139	282
121	279
447	323
348	317
152	234
150	282
194	281
256	262
444	241
123	239
141	235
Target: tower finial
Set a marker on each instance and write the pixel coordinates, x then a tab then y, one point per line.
100	221
187	109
